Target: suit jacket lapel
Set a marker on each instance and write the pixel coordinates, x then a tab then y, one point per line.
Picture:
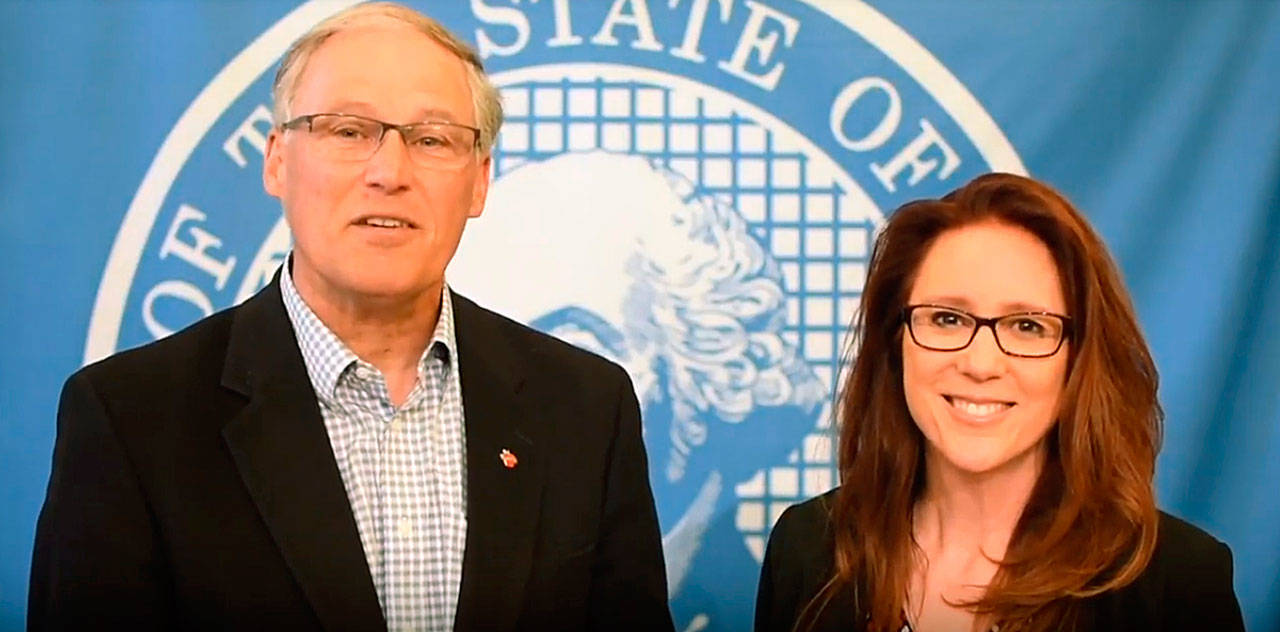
281	448
503	501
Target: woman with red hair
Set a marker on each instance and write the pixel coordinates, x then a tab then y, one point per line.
998	434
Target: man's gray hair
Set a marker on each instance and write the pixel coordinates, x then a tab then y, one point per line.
484	97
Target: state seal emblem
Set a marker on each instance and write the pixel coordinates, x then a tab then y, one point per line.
687	187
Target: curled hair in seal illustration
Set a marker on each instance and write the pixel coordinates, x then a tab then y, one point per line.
668	282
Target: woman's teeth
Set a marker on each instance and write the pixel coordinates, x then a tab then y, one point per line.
976	409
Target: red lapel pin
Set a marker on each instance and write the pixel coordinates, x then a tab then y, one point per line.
508	459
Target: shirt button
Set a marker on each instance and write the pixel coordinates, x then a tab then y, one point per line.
396	424
405	527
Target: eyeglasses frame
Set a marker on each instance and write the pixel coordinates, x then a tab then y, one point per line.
989	323
403	129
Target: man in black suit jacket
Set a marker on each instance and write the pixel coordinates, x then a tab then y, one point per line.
194	480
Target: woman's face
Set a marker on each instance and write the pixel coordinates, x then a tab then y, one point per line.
979	409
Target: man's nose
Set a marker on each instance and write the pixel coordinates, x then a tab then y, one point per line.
390	167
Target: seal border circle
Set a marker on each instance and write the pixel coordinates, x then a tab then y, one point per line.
234	78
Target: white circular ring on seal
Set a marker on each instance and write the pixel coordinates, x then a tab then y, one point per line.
266	49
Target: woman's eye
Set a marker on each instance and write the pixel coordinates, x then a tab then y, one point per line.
1030	327
946	319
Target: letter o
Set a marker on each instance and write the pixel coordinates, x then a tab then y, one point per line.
845	102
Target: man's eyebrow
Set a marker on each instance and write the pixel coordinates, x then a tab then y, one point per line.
363	108
437	114
351	107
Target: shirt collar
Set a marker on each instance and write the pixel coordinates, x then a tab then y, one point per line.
327	357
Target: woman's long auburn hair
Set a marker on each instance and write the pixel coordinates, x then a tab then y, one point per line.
1090	524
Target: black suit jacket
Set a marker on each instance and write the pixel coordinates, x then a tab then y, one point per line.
1187	585
194	487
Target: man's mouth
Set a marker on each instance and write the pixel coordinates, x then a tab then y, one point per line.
381	221
977	408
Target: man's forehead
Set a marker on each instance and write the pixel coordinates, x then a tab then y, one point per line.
356	69
386	41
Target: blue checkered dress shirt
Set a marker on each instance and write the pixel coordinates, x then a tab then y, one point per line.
403	468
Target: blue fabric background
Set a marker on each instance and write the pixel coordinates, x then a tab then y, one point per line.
1161	120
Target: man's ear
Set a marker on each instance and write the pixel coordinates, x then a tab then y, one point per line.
481	191
273	172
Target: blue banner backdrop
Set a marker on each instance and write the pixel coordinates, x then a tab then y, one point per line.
746	148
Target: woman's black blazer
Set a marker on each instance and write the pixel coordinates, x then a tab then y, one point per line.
1187	585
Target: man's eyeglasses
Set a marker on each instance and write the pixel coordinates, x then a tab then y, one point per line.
352	138
1023	335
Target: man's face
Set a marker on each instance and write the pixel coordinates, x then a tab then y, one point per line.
392	73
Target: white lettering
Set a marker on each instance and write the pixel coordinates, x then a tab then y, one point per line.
910	157
506	16
196	253
844	103
693	30
764	47
249	132
638	18
181	290
564	26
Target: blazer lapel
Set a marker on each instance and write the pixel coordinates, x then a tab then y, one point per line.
503	496
281	448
